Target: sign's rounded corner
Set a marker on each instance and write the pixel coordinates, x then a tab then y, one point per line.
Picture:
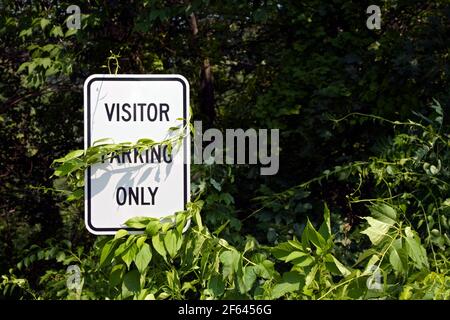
93	77
91	228
182	79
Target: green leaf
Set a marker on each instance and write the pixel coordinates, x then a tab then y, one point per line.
378	229
384	213
45	62
215	184
107	252
198	219
70	32
158	245
68	167
131	283
103	141
366	254
26	32
71	155
146	141
311	275
180	221
139	222
397	258
335	266
56	31
313	236
77	194
249	277
296	244
292	282
116	275
250	244
265	269
140	241
23	66
143	258
230	260
129	254
152	228
172	242
216	285
120	234
219	229
437	107
415	250
44	23
282	250
294	255
325	228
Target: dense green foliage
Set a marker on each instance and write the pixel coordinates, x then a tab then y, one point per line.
360	208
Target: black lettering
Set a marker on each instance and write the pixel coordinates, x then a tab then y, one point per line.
153	193
136	155
133	195
150	107
163	109
124	109
114	156
121	203
141	105
127	155
109	113
156	152
144	203
166	155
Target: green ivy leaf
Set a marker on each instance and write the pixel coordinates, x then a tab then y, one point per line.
415	250
172	242
131	283
139	222
325	228
116	275
230	260
44	23
292	282
158	245
120	234
249	278
129	254
107	252
56	31
143	258
335	266
378	229
311	235
398	259
216	286
152	228
384	213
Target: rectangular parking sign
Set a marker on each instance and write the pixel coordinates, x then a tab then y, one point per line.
152	183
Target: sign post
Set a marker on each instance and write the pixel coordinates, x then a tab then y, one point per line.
153	183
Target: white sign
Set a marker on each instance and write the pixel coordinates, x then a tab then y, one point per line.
154	183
